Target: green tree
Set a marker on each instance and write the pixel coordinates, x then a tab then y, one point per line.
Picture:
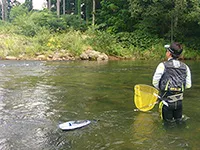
28	4
18	11
168	19
5	7
114	16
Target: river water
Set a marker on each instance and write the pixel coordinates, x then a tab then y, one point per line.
36	96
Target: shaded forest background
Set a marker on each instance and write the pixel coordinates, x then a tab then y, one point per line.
125	28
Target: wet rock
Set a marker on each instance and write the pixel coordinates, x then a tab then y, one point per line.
84	56
93	55
41	57
62	56
11	58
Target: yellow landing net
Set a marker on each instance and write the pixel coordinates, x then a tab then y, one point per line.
145	97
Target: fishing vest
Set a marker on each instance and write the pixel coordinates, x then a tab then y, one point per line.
174	77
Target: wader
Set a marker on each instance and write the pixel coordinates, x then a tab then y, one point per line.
172	112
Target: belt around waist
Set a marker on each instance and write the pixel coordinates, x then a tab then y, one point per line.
175	98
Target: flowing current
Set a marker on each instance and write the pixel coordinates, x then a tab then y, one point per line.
36	96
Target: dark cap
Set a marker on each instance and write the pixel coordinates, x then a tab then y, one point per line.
175	49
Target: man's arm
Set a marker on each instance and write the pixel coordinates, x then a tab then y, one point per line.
188	78
157	75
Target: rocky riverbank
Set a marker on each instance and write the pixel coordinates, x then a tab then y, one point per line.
65	56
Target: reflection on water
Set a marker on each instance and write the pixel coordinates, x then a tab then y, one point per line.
143	127
36	96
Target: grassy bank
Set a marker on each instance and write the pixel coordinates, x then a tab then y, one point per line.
75	42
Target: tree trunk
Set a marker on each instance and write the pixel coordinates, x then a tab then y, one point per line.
4	10
68	9
58	8
78	7
63	7
93	13
172	30
87	11
49	5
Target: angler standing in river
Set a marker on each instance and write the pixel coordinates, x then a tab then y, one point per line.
172	77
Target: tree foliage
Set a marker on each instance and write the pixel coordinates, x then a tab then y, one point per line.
175	20
138	23
114	16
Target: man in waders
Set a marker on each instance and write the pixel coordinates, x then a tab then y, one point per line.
172	77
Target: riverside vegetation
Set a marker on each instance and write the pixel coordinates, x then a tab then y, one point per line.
42	35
